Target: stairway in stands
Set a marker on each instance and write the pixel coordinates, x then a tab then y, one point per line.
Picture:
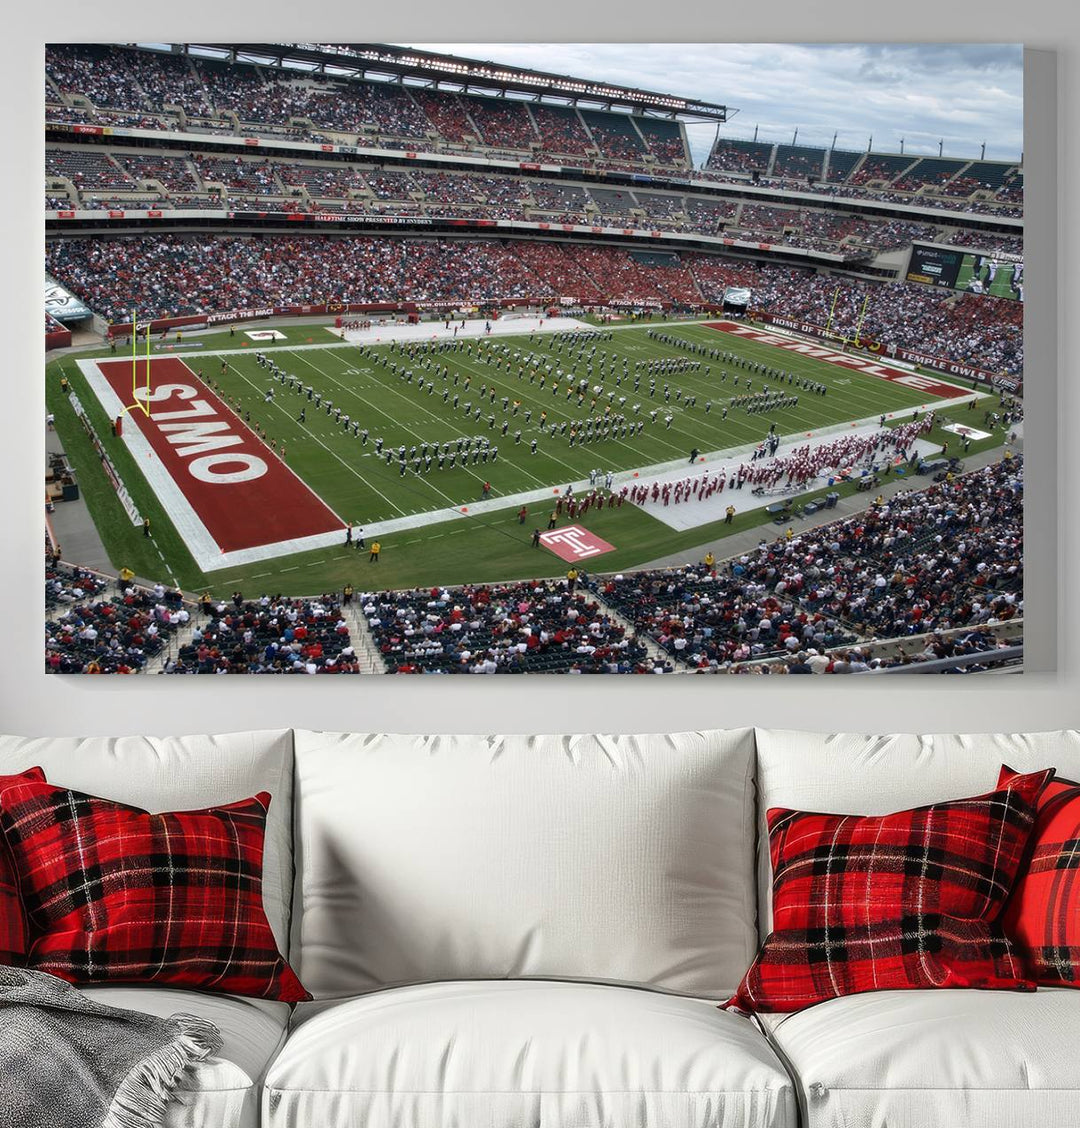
182	637
367	652
657	657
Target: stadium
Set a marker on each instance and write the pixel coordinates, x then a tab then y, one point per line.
368	359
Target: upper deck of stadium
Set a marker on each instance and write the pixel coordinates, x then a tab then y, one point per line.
383	93
389	99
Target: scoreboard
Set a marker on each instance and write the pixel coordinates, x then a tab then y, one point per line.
934	266
1000	274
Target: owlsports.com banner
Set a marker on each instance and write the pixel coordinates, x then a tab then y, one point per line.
62	305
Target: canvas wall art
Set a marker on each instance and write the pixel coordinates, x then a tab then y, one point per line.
533	358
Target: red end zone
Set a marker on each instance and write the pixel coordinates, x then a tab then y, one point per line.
243	494
876	368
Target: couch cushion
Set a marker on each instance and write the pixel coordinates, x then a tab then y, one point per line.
848	773
181	773
114	894
14	931
523	1054
625	859
906	900
910	1059
1043	914
222	1092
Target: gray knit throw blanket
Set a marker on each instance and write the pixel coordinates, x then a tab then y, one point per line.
69	1062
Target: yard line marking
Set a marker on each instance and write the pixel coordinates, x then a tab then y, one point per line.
819	369
734	433
559	409
168	570
861	397
352	470
388	387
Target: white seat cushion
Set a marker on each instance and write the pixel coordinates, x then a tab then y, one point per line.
181	773
525	1054
859	774
618	859
222	1092
915	1059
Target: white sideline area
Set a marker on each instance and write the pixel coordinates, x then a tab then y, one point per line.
690	514
683	516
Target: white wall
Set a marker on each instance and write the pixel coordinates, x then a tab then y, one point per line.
32	703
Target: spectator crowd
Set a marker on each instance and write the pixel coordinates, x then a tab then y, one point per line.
181	274
538	626
110	180
127	86
89	631
984	331
270	635
921	563
148	88
942	566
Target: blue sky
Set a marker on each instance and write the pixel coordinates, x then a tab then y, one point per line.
964	94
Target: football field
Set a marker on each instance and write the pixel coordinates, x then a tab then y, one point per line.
502	388
401	439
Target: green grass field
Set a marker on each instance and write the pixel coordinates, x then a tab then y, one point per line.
362	487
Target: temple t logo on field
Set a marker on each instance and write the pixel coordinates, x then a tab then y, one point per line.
575	543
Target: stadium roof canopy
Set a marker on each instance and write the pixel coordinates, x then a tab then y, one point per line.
452	72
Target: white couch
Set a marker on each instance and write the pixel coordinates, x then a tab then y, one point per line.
534	932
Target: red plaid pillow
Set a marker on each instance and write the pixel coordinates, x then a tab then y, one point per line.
13	932
1043	914
908	900
118	895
